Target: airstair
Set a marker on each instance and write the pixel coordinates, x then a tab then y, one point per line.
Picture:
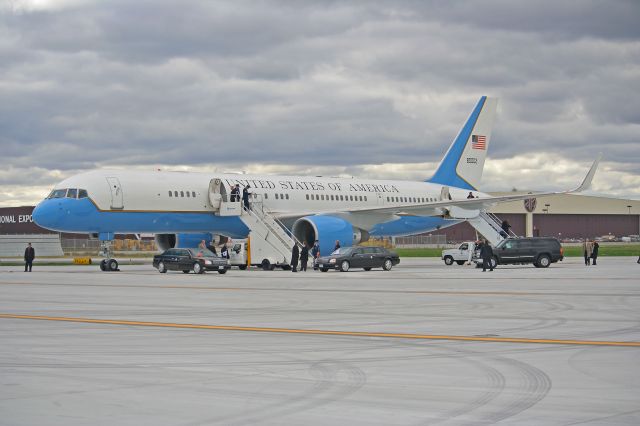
271	243
489	226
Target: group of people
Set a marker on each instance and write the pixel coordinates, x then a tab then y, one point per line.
590	251
302	255
235	195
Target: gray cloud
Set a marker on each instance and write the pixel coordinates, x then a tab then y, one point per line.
339	86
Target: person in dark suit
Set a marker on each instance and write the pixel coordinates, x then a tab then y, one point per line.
295	255
235	193
224	251
304	257
486	253
29	255
245	197
337	246
594	252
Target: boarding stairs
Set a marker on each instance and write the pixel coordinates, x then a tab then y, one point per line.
270	239
489	226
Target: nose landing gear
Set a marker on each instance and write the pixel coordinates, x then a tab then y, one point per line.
109	264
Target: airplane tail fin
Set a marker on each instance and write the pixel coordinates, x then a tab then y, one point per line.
463	163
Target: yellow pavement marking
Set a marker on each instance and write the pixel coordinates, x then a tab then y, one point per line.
323	332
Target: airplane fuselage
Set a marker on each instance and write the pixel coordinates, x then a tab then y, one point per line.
176	202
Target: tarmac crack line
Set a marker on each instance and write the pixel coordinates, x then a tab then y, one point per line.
322	332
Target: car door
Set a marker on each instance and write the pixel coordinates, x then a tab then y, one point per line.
508	252
379	255
463	252
185	261
358	258
525	251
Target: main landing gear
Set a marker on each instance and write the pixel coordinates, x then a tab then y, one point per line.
109	264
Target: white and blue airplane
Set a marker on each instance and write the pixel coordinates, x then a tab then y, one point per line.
177	207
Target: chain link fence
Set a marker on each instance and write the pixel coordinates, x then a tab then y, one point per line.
420	241
87	247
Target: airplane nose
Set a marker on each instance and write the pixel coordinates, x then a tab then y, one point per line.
44	215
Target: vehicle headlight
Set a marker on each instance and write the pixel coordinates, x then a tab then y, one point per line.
332	261
207	262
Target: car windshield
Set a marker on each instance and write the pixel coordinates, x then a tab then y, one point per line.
342	250
201	253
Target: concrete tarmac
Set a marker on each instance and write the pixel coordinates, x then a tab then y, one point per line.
422	344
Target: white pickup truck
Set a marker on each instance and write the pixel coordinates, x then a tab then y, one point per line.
461	255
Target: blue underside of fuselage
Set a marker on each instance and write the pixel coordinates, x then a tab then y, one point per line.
82	216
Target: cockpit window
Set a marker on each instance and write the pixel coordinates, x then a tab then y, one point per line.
58	193
82	193
72	193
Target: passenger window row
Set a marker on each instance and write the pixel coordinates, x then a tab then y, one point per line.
182	194
410	200
68	193
332	197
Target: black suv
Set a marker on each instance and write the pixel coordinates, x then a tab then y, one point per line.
540	251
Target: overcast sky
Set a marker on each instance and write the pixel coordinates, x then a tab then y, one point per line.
368	89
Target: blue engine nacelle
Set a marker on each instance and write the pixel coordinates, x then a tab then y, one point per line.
327	229
167	241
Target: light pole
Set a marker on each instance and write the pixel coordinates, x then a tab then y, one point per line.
629	207
547	207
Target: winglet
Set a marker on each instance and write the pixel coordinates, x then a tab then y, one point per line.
586	183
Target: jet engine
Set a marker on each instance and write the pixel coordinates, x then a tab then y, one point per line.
327	229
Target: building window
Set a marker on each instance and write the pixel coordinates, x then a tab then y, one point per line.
307	196
266	196
286	196
170	194
276	196
193	194
182	194
188	194
365	198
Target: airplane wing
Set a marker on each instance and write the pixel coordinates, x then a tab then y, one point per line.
460	209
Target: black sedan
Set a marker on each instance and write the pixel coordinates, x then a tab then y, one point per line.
346	258
186	260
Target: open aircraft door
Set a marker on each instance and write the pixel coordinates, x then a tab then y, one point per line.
117	200
217	193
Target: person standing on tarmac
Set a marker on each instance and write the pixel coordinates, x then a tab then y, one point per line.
594	251
315	254
295	255
587	248
337	246
486	253
29	255
304	257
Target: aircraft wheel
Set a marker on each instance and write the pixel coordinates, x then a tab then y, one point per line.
113	265
103	265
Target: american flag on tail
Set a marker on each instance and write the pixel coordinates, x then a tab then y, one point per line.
478	142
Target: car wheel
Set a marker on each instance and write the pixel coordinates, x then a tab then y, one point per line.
544	261
367	269
448	260
162	268
460	262
222	271
494	262
324	269
113	265
242	267
197	268
344	266
387	265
